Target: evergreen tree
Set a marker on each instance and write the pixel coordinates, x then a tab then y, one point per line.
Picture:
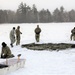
61	14
56	17
49	16
72	16
35	14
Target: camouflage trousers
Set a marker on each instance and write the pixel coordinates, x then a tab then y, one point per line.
37	37
12	39
72	37
17	40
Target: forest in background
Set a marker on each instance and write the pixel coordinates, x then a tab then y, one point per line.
27	14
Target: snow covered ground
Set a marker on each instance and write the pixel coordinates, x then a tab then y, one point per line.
42	62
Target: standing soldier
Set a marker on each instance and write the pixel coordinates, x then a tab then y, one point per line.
37	33
18	35
72	34
12	36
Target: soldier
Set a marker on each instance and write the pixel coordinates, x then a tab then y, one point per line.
12	36
18	35
72	34
37	33
6	52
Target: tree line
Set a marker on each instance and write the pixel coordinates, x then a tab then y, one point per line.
26	14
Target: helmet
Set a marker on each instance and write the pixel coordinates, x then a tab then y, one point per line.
4	44
18	27
13	27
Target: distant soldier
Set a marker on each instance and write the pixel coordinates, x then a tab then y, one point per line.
6	52
18	38
12	36
72	34
37	33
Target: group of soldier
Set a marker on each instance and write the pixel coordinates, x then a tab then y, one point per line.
15	37
38	30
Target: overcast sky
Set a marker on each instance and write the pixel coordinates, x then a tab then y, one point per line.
40	4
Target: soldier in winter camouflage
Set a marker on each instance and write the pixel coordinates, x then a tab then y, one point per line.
72	34
37	33
18	38
12	36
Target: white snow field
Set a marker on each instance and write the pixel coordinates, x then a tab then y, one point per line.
42	62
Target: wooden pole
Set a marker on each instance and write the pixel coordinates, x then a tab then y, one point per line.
6	61
19	57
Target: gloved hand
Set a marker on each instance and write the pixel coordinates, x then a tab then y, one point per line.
2	56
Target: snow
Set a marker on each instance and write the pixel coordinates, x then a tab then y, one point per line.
42	62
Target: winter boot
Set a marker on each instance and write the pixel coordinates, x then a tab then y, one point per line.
11	45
